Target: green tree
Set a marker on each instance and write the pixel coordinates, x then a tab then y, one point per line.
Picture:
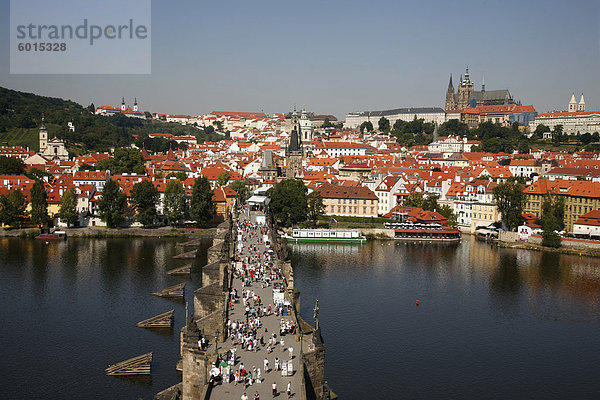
430	202
39	204
223	178
288	202
448	212
68	207
174	201
202	208
182	176
510	197
11	166
144	197
454	127
414	199
384	124
315	205
111	205
124	160
243	193
557	134
327	123
368	125
12	208
553	214
540	130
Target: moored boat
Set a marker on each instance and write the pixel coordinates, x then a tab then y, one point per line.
325	235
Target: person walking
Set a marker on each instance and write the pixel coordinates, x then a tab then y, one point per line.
244	397
274	386
291	351
266	365
256	396
289	389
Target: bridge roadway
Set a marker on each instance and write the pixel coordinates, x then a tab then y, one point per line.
270	324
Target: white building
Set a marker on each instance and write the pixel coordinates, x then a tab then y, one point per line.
574	121
428	114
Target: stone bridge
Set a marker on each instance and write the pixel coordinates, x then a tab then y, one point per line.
210	315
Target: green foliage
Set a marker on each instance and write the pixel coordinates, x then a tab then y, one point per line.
39	204
182	176
243	193
384	124
68	207
414	199
496	138
202	208
37	174
553	213
174	201
430	203
288	202
557	135
327	123
315	205
144	197
551	239
454	127
112	204
124	160
448	213
510	197
20	118
367	125
540	130
11	166
223	178
12	208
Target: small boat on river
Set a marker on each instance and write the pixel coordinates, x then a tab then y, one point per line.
325	235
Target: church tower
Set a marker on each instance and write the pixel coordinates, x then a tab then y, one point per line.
465	91
43	136
123	104
573	104
294	152
135	106
450	96
581	105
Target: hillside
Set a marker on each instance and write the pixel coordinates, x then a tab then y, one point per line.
20	117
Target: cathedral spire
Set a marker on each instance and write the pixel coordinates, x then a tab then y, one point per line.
483	84
450	84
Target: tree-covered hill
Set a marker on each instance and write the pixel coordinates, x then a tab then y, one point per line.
21	113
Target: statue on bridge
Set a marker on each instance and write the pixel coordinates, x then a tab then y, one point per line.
316	314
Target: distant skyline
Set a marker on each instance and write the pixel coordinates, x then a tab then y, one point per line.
344	56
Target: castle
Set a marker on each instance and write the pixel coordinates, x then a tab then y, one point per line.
468	97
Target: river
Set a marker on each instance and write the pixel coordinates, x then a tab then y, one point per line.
491	323
70	308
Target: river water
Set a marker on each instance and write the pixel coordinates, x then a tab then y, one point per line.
69	310
492	323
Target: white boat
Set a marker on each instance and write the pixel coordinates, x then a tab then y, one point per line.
325	235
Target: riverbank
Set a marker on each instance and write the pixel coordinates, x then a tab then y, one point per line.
101	232
537	247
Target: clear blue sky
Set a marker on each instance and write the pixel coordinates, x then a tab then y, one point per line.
343	56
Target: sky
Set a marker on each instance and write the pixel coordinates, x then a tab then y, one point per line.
342	56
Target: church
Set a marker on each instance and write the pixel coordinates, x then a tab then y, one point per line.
466	96
52	149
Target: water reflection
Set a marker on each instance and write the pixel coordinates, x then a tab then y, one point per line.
70	310
488	317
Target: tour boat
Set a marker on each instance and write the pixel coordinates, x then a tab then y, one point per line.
325	235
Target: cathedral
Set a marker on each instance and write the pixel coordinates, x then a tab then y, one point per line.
468	97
